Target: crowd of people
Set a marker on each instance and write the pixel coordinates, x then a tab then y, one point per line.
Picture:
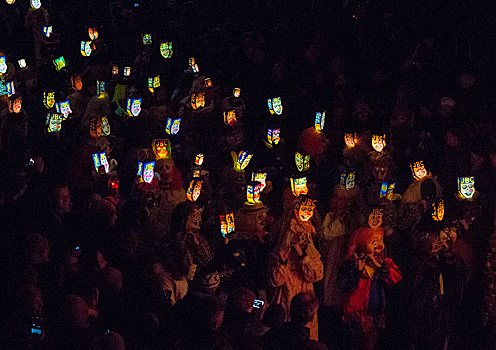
243	175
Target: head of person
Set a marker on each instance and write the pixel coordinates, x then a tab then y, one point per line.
303	308
241	299
60	199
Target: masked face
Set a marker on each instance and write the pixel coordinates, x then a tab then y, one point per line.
380	174
319	121
36	4
165	170
166	49
302	161
375	246
230	117
438	211
299	186
47	31
105	127
418	170
350	140
305	212
55	123
194	220
375	218
3	65
148	172
378	142
49	99
237	92
466	187
173	126
16	105
161	148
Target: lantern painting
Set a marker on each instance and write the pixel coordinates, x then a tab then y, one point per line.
15	104
191	61
10	2
226	224
194	190
133	106
466	187
230	117
47	31
199	159
305	211
166	49
237	92
10	88
273	136
253	189
3	65
198	100
140	169
378	142
36	4
299	186
127	71
59	63
54	122
49	99
350	139
93	33
100	159
153	83
387	190
347	180
85	48
161	148
64	108
438	210
375	218
319	121
105	126
100	88
275	105
418	170
208	82
115	70
76	83
146	39
242	160
172	126
195	68
22	63
113	184
260	177
95	125
302	161
148	172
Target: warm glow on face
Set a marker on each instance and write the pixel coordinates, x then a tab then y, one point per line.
376	244
16	105
350	139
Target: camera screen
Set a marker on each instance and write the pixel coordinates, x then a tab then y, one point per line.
258	303
35	331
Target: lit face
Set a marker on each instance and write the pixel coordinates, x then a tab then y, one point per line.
273	136
260	177
93	33
166	49
375	246
230	117
104	161
302	161
237	92
3	65
36	4
350	139
49	99
47	31
194	220
418	170
319	121
55	123
16	105
253	192
299	186
161	148
466	187
378	142
22	63
198	100
134	106
62	200
64	108
305	212
148	172
277	105
375	218
77	84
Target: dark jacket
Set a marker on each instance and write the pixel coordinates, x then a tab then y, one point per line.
290	336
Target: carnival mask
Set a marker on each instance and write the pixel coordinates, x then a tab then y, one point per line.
380	173
350	139
275	105
226	224
319	121
253	192
105	126
230	117
375	218
64	108
273	136
161	148
194	190
166	49
438	210
36	4
305	212
237	92
134	106
54	122
378	142
93	33
49	99
466	187
172	126
3	65
198	100
418	170
260	177
302	161
376	244
299	186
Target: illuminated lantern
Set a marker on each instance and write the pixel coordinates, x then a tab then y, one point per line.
113	184
146	171
115	70
466	187
162	148
418	170
191	61
146	39
199	159
22	63
64	108
10	2
195	68
3	65
230	117
196	172
85	48
194	190
172	127
36	4
133	106
350	139
140	169
241	160
305	212
10	88
387	190
76	83
100	89
375	218
438	210
378	142
302	161
208	82
54	122
153	83
15	103
198	100
49	99
95	126
127	71
93	33
347	180
105	126
253	189
299	186
59	63
319	121
166	49
47	31
275	105
237	92
260	177
226	224
273	136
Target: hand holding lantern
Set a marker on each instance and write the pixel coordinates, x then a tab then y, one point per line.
10	88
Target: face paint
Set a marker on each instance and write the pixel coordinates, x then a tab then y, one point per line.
466	187
194	190
161	148
47	31
305	212
418	170
378	142
260	177
237	92
93	33
319	121
22	63
273	136
302	161
198	100
226	224
172	126
253	192
230	117
148	172
59	63
3	65
299	186
36	4
64	108
105	126
134	106
438	210
350	139
166	49
375	218
54	122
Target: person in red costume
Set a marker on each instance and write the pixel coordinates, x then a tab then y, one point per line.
364	276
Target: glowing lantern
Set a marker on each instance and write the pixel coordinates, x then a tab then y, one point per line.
85	48
161	148
260	177
54	122
127	71
387	190
273	136
59	63
22	63
15	103
208	82
378	142
199	159
230	117
105	126
350	139
93	33
375	218
198	100
275	105
3	65
438	210
76	83
195	68
466	187
146	171
194	190
146	39
347	180
319	121
10	2
95	126
64	108
47	31
241	160
299	186
115	70
418	170
49	99
226	224
197	173
100	89
166	49
302	161
10	88
36	4
305	211
237	92
191	61
153	83
172	127
133	106
253	189
113	184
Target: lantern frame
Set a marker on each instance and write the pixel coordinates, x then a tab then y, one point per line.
438	210
64	108
197	100
273	136
418	170
132	102
350	139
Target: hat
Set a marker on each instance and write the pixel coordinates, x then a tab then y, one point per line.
254	208
446	101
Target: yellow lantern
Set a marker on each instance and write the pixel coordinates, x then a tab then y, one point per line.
378	142
194	190
418	170
319	120
47	31
350	139
49	99
226	224
199	159
59	63
172	126
162	148
438	210
253	192
198	100
273	136
299	186
133	106
302	161
100	159
64	108
241	160
260	177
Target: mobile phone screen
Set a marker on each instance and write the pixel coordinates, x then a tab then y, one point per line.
258	303
35	331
